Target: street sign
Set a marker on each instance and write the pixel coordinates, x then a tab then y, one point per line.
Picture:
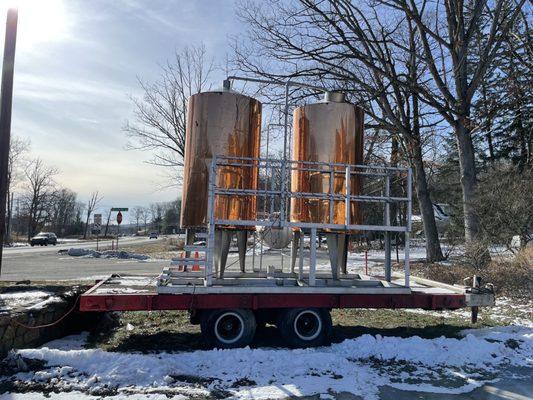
119	217
97	220
119	209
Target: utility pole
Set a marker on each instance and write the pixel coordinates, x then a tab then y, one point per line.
6	99
10	220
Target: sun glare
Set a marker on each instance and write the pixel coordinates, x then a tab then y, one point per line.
38	20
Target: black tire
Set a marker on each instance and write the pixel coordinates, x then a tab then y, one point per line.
32	244
228	329
305	327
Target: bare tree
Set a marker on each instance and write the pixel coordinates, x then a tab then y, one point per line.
446	37
63	211
17	151
160	115
93	202
137	214
156	216
357	33
145	215
39	189
325	47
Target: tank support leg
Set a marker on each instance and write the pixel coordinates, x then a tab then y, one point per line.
294	249
333	249
222	243
189	240
342	252
242	239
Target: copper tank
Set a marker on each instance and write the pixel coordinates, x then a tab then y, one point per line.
326	132
219	123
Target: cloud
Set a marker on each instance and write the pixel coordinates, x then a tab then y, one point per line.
56	89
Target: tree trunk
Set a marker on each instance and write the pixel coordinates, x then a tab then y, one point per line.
86	225
433	249
467	167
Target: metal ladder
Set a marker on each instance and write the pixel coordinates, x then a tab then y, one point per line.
178	267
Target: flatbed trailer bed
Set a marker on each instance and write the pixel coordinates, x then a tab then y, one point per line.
139	293
229	315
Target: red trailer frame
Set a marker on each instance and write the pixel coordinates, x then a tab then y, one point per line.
109	295
228	317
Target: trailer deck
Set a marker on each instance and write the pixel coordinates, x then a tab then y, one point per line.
140	293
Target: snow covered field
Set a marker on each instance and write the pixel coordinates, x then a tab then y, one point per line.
359	366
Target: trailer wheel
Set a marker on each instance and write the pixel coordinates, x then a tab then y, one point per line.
228	328
305	327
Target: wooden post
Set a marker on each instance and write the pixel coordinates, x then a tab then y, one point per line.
6	100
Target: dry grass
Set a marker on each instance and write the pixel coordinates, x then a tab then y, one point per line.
511	277
164	249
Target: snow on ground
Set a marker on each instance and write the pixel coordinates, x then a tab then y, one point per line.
28	299
17	244
359	366
89	253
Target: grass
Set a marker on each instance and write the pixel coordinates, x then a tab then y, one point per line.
511	276
171	331
163	249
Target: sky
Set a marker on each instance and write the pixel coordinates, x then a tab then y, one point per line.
77	64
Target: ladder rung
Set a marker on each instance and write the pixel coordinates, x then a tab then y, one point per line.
194	248
188	261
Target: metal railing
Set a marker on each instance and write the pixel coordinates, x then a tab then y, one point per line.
267	168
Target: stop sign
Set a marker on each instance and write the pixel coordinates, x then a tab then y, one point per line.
119	217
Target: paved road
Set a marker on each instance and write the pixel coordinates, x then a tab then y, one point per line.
85	244
44	263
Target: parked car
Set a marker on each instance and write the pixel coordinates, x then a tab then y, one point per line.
44	239
153	235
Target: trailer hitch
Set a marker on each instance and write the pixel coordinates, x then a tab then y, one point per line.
473	284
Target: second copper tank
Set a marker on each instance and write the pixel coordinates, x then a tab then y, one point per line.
219	123
326	132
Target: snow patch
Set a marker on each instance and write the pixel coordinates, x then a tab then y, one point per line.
359	366
89	253
28	299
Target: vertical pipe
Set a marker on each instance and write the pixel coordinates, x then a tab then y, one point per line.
284	161
409	197
388	266
312	258
348	194
261	255
407	266
331	179
211	224
253	253
6	100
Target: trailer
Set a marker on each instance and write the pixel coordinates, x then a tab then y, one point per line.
229	318
295	293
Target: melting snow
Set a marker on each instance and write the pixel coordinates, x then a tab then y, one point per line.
29	299
359	366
